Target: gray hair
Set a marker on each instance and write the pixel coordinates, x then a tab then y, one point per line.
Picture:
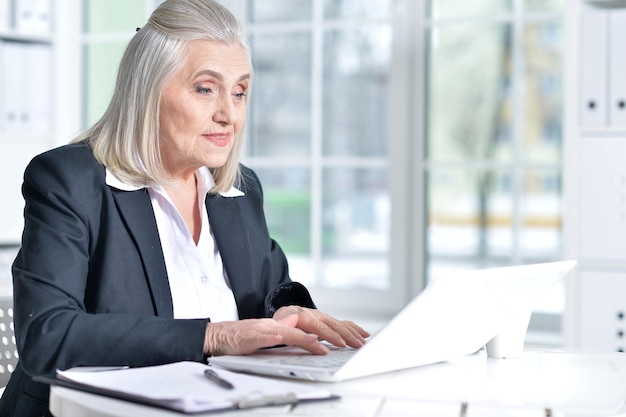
126	138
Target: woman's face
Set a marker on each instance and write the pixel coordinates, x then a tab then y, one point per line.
203	107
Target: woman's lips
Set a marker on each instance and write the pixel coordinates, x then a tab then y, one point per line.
218	139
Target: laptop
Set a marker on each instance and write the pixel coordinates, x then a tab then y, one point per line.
455	315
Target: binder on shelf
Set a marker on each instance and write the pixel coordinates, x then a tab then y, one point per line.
26	85
42	16
593	91
3	98
617	68
37	101
602	199
12	62
183	387
5	15
23	15
601	324
32	16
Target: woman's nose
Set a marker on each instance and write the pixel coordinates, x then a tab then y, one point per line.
225	111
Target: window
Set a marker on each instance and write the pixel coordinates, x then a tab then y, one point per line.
395	139
493	115
108	26
318	138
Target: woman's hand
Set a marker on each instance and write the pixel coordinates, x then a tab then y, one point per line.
291	326
339	333
245	336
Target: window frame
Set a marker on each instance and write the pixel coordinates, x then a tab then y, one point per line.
545	326
359	303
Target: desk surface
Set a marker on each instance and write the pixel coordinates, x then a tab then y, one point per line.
566	384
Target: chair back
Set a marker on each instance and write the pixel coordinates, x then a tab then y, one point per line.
8	348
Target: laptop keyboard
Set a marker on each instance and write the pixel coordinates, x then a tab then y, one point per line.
334	359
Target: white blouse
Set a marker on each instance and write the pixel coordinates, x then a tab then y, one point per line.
198	282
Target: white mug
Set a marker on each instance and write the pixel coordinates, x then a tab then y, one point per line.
509	342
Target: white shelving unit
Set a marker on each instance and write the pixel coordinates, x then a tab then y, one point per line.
40	100
595	174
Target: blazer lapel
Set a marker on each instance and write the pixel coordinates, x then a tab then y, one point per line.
228	225
136	211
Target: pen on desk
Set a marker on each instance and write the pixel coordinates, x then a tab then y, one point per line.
211	375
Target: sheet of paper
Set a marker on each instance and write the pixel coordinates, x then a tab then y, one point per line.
184	387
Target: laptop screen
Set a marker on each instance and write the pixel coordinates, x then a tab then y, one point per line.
458	314
512	292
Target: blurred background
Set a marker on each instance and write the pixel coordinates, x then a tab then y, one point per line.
395	139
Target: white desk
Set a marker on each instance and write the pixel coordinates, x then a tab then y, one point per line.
566	384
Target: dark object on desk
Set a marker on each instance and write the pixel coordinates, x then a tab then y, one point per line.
211	375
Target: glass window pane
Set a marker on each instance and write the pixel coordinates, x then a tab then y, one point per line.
287	200
543	88
101	62
114	15
279	10
469	109
541	238
443	9
287	203
356	223
280	116
544	5
356	68
375	9
470	214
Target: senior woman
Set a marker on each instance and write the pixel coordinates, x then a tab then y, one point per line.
145	240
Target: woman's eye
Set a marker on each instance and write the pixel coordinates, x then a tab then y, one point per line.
239	92
203	90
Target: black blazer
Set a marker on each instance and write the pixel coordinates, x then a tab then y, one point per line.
90	283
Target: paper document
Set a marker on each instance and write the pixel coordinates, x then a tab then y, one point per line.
184	387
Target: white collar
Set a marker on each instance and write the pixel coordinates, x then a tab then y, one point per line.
203	174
